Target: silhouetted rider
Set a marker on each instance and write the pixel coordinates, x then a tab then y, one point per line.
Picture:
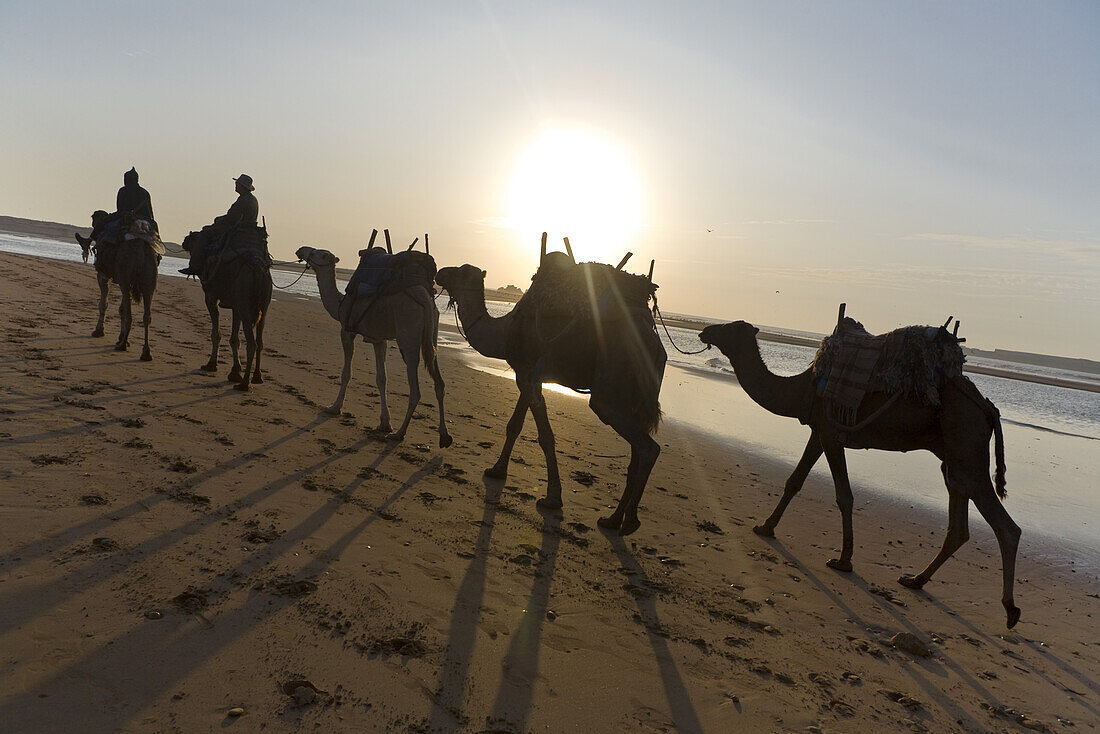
244	211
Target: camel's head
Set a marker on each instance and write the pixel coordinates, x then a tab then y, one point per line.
98	216
189	241
465	277
727	336
316	258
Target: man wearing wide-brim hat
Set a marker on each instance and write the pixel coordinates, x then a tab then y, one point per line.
245	210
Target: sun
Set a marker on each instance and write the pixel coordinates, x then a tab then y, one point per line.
574	183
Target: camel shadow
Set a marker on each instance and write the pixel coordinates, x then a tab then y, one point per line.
188	646
54	542
680	706
29	602
71	392
918	670
449	696
1044	652
520	667
89	424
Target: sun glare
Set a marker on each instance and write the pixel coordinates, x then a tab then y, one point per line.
575	184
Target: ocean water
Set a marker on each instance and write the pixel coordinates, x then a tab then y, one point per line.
1052	434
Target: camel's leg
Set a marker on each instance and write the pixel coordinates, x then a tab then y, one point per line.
104	286
380	377
215	336
515	427
431	361
834	453
125	317
347	341
235	345
249	326
257	377
794	483
146	355
552	500
958	532
409	343
1008	538
643	455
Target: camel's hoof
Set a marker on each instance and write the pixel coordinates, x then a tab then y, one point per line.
839	565
209	367
234	377
495	473
629	526
97	333
911	582
545	503
611	522
445	440
764	531
332	410
395	437
384	428
257	379
242	386
1013	615
146	356
120	347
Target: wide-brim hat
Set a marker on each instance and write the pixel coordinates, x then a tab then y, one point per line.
245	180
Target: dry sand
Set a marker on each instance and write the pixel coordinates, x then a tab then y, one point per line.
173	549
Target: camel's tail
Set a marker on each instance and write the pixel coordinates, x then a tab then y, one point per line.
970	390
648	373
998	450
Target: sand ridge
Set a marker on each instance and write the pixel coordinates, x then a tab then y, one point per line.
173	549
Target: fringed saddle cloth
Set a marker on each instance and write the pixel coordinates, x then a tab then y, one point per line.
915	361
142	229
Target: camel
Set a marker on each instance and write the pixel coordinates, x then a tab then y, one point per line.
957	432
621	363
410	317
244	287
132	264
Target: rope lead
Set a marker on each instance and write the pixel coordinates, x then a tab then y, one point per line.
661	317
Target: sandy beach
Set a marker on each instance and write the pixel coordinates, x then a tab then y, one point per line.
173	549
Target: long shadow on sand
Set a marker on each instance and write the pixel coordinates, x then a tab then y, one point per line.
51	543
918	670
124	662
214	390
32	601
118	393
450	691
1042	652
520	667
680	706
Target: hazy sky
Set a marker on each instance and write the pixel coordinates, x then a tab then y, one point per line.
917	160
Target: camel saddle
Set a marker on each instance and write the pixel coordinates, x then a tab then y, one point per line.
381	274
586	290
915	361
244	246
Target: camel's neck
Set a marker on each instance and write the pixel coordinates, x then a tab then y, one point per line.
780	395
488	335
330	294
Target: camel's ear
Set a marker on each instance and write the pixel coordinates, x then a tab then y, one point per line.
483	273
755	331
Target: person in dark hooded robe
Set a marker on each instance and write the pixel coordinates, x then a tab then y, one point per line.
131	200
